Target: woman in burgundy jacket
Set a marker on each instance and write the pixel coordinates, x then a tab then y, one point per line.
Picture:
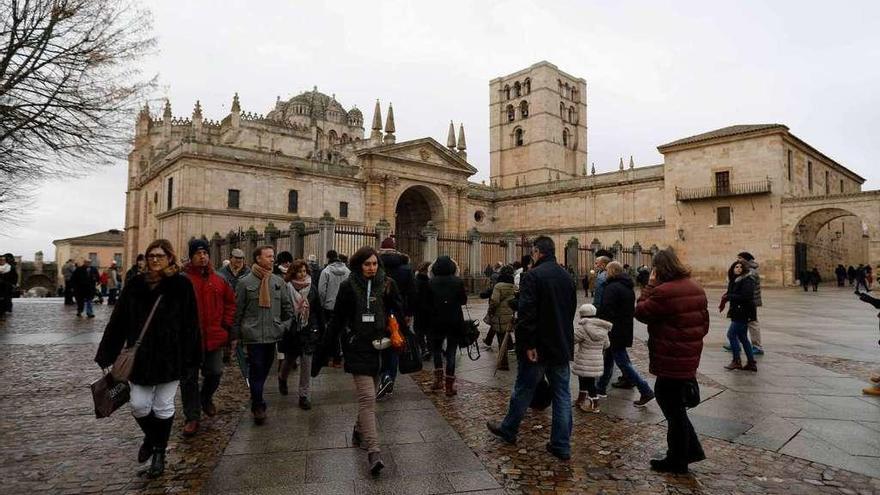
676	311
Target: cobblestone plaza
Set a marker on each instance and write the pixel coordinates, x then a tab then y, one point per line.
800	425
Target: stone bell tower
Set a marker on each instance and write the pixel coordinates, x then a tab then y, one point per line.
537	126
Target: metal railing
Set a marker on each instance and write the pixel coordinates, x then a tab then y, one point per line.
738	189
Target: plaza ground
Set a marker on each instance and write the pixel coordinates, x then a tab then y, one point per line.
800	425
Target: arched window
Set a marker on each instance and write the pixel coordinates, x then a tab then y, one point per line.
345	138
511	113
575	94
572	115
332	137
506	92
562	110
518	135
565	137
524	109
517	90
527	86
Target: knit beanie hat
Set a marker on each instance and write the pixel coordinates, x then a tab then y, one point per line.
196	244
388	243
587	310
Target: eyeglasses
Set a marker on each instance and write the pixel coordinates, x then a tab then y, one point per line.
156	256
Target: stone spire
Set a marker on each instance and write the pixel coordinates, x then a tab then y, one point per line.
166	113
376	134
236	106
197	111
450	138
632	164
621	163
593	168
389	126
462	145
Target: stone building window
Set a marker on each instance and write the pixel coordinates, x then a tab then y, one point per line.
332	137
789	164
232	198
722	182
518	136
841	185
479	215
562	110
292	201
722	215
565	138
517	90
506	92
117	257
170	198
511	113
343	209
93	258
810	176
827	184
524	109
572	115
527	86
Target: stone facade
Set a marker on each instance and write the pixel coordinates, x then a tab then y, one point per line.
716	193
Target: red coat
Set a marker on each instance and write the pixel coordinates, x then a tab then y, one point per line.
677	316
216	304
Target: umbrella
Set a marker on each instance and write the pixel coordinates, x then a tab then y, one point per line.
242	363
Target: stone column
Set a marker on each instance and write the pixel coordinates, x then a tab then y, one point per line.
571	254
617	249
430	233
637	255
216	256
383	230
297	244
510	247
271	234
250	243
326	234
475	252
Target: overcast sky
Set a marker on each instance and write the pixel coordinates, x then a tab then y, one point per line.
655	71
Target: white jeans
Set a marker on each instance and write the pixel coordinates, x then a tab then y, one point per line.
156	398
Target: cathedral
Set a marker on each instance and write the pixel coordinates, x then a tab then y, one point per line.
747	187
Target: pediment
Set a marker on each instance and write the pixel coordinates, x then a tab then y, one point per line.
420	152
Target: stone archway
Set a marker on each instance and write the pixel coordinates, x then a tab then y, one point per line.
827	237
416	206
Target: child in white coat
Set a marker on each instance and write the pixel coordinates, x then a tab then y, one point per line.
590	340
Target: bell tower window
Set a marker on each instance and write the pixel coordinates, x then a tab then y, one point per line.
524	109
518	135
511	113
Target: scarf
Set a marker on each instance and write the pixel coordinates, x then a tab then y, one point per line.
4	269
153	278
300	295
264	275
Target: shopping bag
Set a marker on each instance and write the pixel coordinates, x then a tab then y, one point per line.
543	395
410	360
109	395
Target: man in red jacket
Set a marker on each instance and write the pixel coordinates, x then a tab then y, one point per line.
216	304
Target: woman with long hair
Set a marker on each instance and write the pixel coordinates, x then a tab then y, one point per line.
740	295
675	309
170	345
364	301
303	331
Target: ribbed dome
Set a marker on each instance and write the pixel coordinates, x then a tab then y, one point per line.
311	104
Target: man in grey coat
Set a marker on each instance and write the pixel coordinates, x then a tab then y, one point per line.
263	304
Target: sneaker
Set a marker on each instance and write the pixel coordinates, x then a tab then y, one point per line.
304	403
375	462
386	389
601	393
623	383
91	316
644	400
556	453
757	350
259	416
726	348
494	427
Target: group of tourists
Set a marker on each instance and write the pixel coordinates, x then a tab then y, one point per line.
85	285
859	277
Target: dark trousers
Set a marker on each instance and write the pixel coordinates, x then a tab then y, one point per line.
84	301
682	443
68	294
587	384
260	359
448	353
192	397
112	293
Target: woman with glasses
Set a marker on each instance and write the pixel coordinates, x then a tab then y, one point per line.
170	344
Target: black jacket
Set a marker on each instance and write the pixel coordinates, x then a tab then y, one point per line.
82	282
447	297
305	340
357	336
741	296
547	303
396	266
423	308
172	342
619	308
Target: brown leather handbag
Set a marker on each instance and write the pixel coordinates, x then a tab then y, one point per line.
124	363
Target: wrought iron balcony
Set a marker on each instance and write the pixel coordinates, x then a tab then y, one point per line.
711	192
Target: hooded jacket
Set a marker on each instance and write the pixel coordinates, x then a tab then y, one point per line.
590	341
741	295
618	308
330	279
396	266
756	278
216	304
447	297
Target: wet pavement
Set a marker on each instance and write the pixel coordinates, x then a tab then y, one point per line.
800	425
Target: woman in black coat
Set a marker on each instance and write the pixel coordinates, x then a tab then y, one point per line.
423	308
364	301
170	345
619	307
741	296
447	296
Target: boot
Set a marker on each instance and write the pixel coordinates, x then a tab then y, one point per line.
157	464
751	366
582	396
872	390
450	386
146	449
375	462
736	364
160	442
438	380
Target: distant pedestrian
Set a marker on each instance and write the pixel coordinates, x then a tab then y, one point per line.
590	340
215	301
815	278
500	313
869	276
302	332
262	306
861	279
170	345
83	288
236	269
601	277
545	347
423	309
113	282
754	322
840	273
447	297
8	279
136	269
740	295
674	307
364	301
67	273
851	275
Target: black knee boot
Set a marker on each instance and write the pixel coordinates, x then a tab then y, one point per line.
147	424
160	442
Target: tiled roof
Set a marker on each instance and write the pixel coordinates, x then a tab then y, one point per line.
107	237
724	132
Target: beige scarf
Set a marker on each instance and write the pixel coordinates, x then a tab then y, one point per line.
264	275
153	278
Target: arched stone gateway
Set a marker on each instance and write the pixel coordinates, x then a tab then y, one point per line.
416	206
826	230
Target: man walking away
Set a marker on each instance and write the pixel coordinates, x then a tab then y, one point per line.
840	273
113	281
216	305
236	269
545	346
397	267
861	279
83	288
67	271
329	280
262	306
754	326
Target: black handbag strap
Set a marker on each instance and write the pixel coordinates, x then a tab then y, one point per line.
146	324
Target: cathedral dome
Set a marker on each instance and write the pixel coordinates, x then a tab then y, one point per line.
312	104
